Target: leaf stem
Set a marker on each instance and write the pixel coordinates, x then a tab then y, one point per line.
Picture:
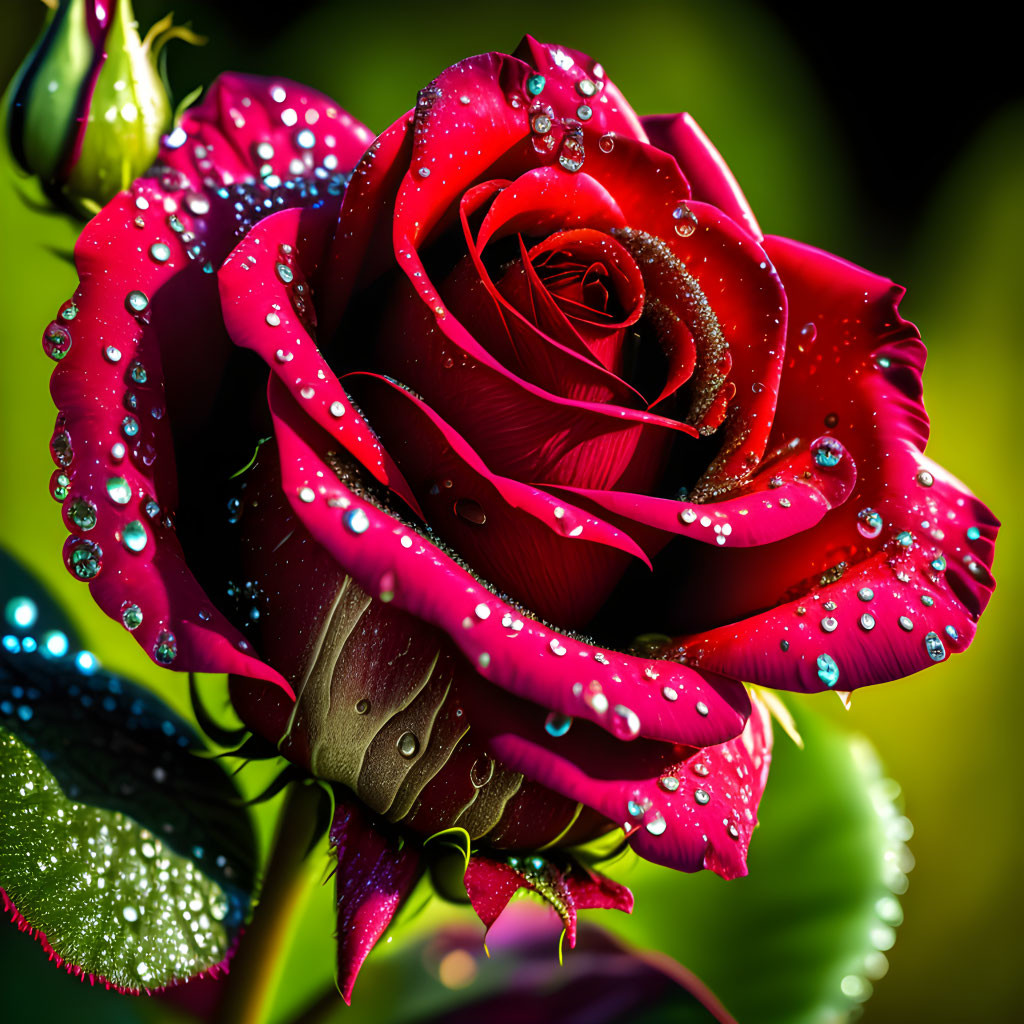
256	967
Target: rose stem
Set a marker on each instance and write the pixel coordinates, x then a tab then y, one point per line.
256	968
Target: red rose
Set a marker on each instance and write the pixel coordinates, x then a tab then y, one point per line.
541	396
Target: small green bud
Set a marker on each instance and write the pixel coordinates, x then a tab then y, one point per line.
87	108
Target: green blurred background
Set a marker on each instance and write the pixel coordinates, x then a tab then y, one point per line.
888	139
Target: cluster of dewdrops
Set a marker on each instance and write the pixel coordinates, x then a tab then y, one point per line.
110	897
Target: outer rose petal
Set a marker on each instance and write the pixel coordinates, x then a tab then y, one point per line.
925	559
249	127
626	695
374	876
708	174
703	818
123	462
492	883
131	369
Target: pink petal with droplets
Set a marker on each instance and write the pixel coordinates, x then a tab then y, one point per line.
504	644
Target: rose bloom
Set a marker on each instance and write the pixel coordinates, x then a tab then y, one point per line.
491	458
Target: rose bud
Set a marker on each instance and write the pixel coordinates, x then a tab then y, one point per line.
491	460
88	105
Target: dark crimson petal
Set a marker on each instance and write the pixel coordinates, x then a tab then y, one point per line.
485	103
376	872
531	434
566	70
627	696
362	248
702	817
550	554
490	885
110	390
266	289
708	174
249	128
788	496
911	534
899	610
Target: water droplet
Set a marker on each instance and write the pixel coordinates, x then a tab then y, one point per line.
307	495
408	745
867	622
130	426
356	521
470	511
869	523
137	301
934	646
938	564
285	273
557	724
688	515
56	341
134	536
571	155
973	533
540	123
734	832
131	616
82	513
337	409
701	796
21	612
924	478
131	914
584	112
701	769
160	252
831	420
70	313
362	706
669	783
112	354
274	320
866	594
305	139
669	693
702	709
626	722
686	220
535	85
165	650
906	623
828	453
59	484
828	670
606	143
137	372
952	633
657	825
829	624
85	559
481	772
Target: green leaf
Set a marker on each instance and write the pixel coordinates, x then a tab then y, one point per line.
799	940
124	852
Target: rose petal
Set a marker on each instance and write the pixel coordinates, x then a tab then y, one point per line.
375	874
111	393
625	695
791	494
260	285
900	609
855	364
249	128
705	821
547	552
708	174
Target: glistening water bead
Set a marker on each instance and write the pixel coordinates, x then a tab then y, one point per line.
934	646
556	724
828	670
